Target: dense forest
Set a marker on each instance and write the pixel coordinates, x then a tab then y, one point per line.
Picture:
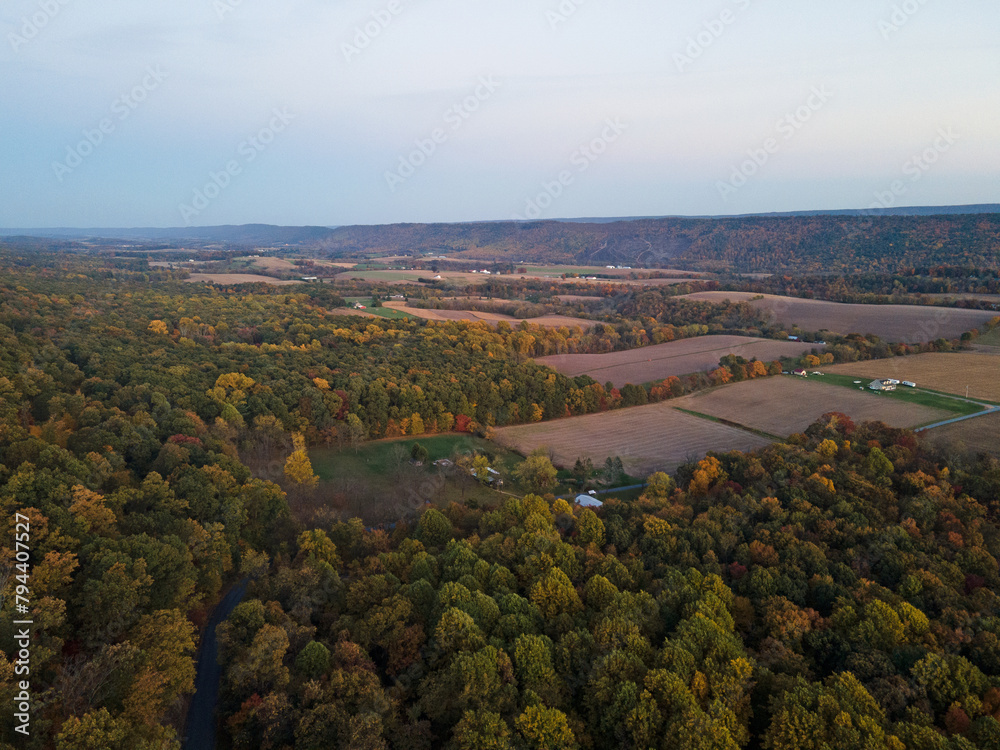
834	591
812	244
753	601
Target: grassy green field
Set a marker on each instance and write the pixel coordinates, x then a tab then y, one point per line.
919	396
379	481
379	459
384	275
379	484
382	312
990	339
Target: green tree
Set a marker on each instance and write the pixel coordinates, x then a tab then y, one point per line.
434	528
481	730
545	729
313	661
537	471
419	453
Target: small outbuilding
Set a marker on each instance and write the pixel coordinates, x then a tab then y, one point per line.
588	501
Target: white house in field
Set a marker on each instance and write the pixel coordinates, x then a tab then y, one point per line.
883	386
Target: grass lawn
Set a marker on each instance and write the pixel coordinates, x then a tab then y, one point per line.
379	484
388	312
378	477
919	396
382	312
375	461
990	339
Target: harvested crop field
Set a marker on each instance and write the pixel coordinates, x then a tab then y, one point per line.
548	321
980	435
682	357
647	438
896	323
786	405
272	264
947	372
237	278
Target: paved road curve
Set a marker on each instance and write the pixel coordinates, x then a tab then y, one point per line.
201	722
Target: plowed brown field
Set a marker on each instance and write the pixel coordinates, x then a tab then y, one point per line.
980	435
896	323
783	406
548	321
647	438
949	373
676	358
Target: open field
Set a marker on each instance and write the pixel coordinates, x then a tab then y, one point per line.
548	321
989	342
604	271
675	358
378	483
647	438
980	435
921	396
237	278
783	406
269	263
348	312
457	277
949	373
897	323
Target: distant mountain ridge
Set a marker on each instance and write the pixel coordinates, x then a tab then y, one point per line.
245	234
817	242
974	208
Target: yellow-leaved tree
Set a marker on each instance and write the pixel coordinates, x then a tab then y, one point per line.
298	467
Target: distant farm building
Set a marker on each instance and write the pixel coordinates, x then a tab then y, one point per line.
801	373
588	501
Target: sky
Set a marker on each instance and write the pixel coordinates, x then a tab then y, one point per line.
115	113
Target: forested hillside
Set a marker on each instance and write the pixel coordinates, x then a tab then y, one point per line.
827	244
836	591
763	601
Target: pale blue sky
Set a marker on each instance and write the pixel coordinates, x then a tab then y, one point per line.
221	68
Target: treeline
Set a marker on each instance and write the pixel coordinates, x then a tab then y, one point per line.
835	590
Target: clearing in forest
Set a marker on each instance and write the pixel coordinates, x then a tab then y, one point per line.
647	438
912	324
653	363
237	278
474	316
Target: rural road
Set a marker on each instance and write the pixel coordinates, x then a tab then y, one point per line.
986	410
200	727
